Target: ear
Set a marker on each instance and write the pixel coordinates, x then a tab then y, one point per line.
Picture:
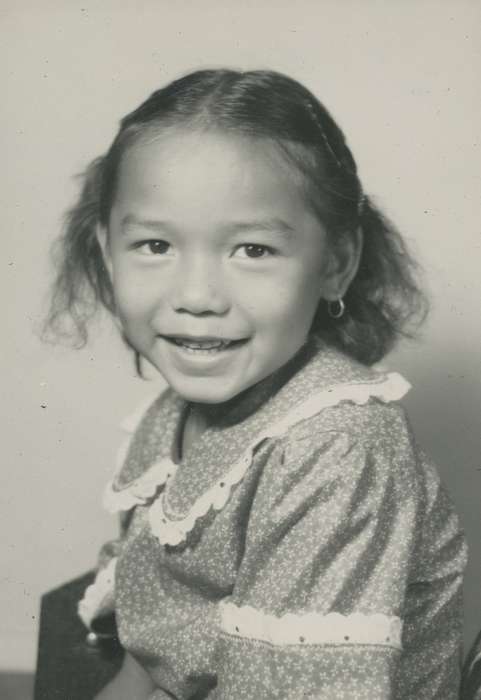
342	266
103	241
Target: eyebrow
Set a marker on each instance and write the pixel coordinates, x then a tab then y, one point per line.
132	221
272	224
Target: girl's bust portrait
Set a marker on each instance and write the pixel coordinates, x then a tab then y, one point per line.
279	529
280	523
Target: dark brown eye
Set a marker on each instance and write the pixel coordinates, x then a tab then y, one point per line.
253	250
154	247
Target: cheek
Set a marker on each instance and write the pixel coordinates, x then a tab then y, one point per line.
131	305
135	294
286	304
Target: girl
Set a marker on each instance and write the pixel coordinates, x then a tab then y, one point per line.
282	535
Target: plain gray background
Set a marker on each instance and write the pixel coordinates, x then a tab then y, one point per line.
401	77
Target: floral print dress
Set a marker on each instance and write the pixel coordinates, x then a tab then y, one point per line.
303	548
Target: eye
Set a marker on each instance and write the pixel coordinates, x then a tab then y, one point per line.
253	250
153	246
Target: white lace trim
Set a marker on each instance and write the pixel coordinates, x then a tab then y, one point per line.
139	491
99	596
172	532
311	628
391	387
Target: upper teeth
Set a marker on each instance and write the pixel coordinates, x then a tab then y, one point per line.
201	344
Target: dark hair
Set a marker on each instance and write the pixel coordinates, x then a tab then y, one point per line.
383	300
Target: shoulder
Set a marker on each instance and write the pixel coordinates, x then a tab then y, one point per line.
360	442
363	412
364	453
351	468
375	426
143	458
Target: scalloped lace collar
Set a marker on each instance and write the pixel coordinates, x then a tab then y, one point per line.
276	415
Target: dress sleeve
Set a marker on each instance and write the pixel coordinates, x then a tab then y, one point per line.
99	597
317	609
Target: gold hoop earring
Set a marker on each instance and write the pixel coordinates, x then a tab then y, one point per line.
336	308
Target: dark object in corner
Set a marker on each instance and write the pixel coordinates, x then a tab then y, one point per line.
67	666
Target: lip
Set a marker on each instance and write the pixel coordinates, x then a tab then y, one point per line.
201	338
203	344
202	362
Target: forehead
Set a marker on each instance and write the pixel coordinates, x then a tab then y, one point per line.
213	169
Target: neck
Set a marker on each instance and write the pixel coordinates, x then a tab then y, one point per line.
200	416
195	424
209	413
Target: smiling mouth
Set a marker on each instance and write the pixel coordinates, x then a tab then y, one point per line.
203	345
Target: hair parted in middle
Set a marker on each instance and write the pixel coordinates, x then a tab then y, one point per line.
383	298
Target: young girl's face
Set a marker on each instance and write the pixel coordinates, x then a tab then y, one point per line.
216	260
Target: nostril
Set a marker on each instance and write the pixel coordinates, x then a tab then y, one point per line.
200	302
198	287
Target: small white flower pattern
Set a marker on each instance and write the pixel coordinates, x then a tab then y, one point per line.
340	517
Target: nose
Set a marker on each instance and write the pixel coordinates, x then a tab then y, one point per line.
198	288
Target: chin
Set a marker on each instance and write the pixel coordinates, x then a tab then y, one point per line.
206	392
